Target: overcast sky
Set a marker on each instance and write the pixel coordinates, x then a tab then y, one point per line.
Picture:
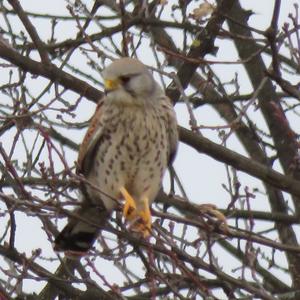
189	165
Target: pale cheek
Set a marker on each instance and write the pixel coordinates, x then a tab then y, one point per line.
135	86
142	85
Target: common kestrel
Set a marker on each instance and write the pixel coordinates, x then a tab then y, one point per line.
130	142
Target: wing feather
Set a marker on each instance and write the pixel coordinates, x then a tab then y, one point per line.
171	129
91	139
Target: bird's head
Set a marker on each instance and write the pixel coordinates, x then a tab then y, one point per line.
129	80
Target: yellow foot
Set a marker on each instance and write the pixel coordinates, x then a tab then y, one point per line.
129	210
140	218
143	220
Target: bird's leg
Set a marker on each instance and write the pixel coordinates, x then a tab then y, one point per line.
143	222
129	210
141	218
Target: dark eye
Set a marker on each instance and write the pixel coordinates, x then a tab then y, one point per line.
125	79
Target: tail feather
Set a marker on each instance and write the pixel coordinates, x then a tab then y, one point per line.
79	235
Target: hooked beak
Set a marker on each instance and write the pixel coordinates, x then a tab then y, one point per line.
111	84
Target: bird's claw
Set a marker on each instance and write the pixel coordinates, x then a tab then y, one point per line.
143	223
129	209
140	219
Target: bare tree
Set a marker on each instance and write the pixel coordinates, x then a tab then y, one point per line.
193	252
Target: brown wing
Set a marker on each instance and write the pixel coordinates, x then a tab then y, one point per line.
172	129
91	139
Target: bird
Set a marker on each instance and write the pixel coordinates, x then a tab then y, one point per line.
131	140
